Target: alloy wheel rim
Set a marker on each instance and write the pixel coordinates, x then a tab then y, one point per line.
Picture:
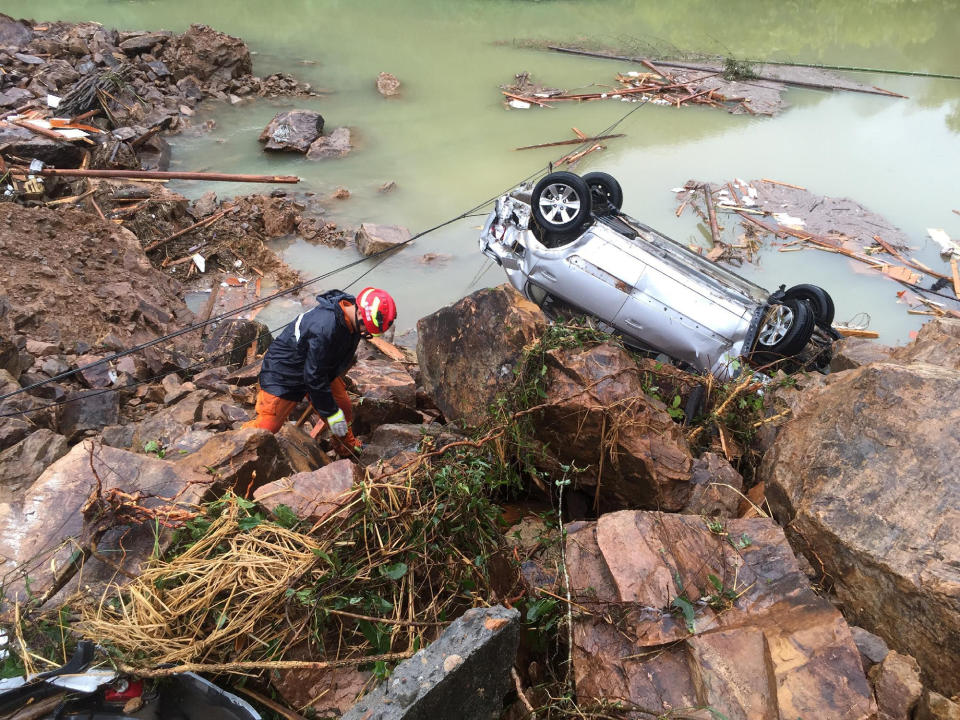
559	203
778	323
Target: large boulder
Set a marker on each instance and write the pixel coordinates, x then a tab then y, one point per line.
36	531
865	479
335	145
210	56
312	495
391	439
897	686
387	394
468	350
87	410
292	131
241	460
628	448
301	451
24	462
937	343
372	238
231	341
464	674
14	33
682	615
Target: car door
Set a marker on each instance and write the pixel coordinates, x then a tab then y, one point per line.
593	273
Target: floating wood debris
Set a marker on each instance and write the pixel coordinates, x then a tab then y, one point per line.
160	175
579	140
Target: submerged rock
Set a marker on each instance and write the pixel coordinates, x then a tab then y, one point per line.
864	477
682	616
292	131
468	350
387	84
372	239
335	145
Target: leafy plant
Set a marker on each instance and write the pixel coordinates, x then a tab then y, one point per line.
153	447
685	608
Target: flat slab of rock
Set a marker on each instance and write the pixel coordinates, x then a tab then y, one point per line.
701	623
464	674
335	145
35	531
864	478
292	131
468	350
373	238
313	495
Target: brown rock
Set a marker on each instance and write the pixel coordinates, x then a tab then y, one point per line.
232	340
313	495
12	431
208	55
87	410
330	692
372	239
292	131
391	439
864	477
763	645
600	419
715	489
853	352
897	686
24	462
387	84
387	393
279	218
934	706
301	451
937	343
141	43
335	145
33	530
241	460
467	351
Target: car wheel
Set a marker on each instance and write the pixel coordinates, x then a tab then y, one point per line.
560	201
605	189
785	330
819	300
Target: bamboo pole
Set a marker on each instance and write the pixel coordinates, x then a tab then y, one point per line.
572	141
159	175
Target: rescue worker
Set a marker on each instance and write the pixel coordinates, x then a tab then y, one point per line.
310	356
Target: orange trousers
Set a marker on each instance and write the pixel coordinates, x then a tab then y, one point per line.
273	412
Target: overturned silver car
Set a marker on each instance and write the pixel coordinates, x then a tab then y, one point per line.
565	244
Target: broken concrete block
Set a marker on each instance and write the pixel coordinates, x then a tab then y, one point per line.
464	674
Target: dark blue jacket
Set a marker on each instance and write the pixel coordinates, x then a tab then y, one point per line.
311	351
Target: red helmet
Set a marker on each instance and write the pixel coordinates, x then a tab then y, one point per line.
377	310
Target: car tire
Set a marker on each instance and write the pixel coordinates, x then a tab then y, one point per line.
561	202
605	190
818	299
785	331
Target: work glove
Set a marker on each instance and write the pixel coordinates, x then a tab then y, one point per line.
338	424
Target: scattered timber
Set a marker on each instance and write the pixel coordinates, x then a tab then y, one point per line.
202	223
160	175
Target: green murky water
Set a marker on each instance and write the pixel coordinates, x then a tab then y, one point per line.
448	141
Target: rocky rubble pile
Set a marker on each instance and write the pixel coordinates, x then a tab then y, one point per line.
684	594
155	77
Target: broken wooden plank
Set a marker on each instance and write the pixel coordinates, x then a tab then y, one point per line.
903	274
388	349
778	233
711	213
776	182
856	332
160	175
956	277
571	141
